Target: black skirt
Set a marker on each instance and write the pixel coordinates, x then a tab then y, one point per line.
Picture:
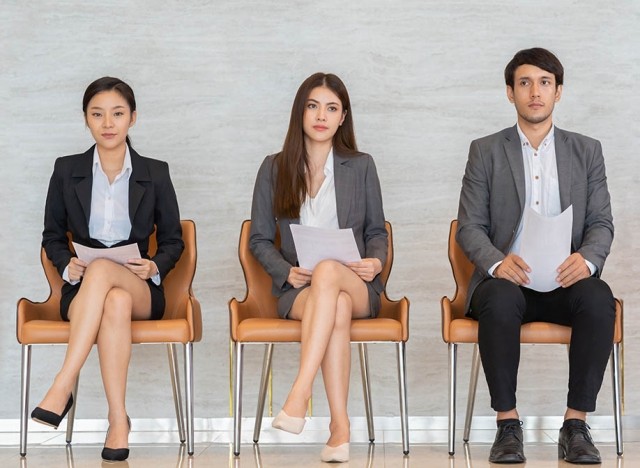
69	292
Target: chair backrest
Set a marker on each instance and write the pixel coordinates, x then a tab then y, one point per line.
177	284
462	269
258	281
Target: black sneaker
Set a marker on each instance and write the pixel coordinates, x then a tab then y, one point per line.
575	444
508	447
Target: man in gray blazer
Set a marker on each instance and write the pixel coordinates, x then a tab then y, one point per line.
538	165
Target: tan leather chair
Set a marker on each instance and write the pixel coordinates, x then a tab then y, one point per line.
255	320
457	328
39	323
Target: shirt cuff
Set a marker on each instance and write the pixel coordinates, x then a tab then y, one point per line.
591	266
156	278
493	268
65	276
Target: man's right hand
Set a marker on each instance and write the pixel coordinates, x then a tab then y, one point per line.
299	277
513	268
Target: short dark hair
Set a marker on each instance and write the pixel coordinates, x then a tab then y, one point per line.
538	57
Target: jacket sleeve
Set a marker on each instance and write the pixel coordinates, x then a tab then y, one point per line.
474	219
598	222
263	226
375	232
54	235
167	220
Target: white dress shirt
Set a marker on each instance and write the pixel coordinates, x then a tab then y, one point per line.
321	210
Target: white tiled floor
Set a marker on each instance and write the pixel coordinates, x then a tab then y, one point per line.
153	448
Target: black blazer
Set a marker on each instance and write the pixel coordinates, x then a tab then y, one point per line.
152	201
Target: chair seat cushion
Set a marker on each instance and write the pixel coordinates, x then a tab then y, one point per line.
466	331
143	331
259	330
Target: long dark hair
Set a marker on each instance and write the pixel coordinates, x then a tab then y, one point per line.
108	83
292	162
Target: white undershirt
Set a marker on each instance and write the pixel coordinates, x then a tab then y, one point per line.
321	210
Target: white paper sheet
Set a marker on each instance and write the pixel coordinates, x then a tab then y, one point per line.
315	244
545	244
116	254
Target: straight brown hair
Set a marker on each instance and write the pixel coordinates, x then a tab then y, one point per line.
292	162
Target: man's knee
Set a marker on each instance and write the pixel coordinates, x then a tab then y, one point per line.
498	300
593	300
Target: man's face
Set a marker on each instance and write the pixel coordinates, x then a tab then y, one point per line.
534	94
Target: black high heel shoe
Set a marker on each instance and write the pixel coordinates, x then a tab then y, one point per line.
115	455
50	418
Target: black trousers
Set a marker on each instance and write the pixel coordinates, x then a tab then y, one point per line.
501	307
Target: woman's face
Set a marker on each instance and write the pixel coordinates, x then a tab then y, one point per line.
109	118
323	114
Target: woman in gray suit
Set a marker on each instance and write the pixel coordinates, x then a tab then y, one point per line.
321	179
107	197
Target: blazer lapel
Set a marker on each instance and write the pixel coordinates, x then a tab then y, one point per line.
563	161
513	151
84	175
139	173
344	179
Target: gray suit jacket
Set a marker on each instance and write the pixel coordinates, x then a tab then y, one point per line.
359	204
493	196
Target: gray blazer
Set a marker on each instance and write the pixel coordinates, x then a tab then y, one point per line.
359	204
493	196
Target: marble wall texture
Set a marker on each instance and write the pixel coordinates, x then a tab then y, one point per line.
215	81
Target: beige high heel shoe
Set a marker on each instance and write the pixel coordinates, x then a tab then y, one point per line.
338	454
288	423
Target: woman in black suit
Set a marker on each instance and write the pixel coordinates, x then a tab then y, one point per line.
107	197
321	179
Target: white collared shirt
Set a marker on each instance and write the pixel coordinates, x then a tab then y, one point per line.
109	221
321	210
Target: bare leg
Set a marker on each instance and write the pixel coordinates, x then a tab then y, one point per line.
85	315
575	414
335	296
511	414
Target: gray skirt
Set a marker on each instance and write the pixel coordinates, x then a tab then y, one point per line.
285	302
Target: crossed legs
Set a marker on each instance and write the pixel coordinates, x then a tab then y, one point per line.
109	298
335	296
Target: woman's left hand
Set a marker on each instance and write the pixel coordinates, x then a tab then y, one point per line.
367	268
142	268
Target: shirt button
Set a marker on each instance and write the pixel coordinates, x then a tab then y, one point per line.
535	154
537	203
537	177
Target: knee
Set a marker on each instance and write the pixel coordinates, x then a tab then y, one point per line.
98	270
343	312
117	308
595	300
499	301
325	273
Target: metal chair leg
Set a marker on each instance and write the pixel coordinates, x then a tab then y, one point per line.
402	381
71	418
262	392
237	396
188	390
25	381
473	385
175	386
453	348
366	388
617	410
